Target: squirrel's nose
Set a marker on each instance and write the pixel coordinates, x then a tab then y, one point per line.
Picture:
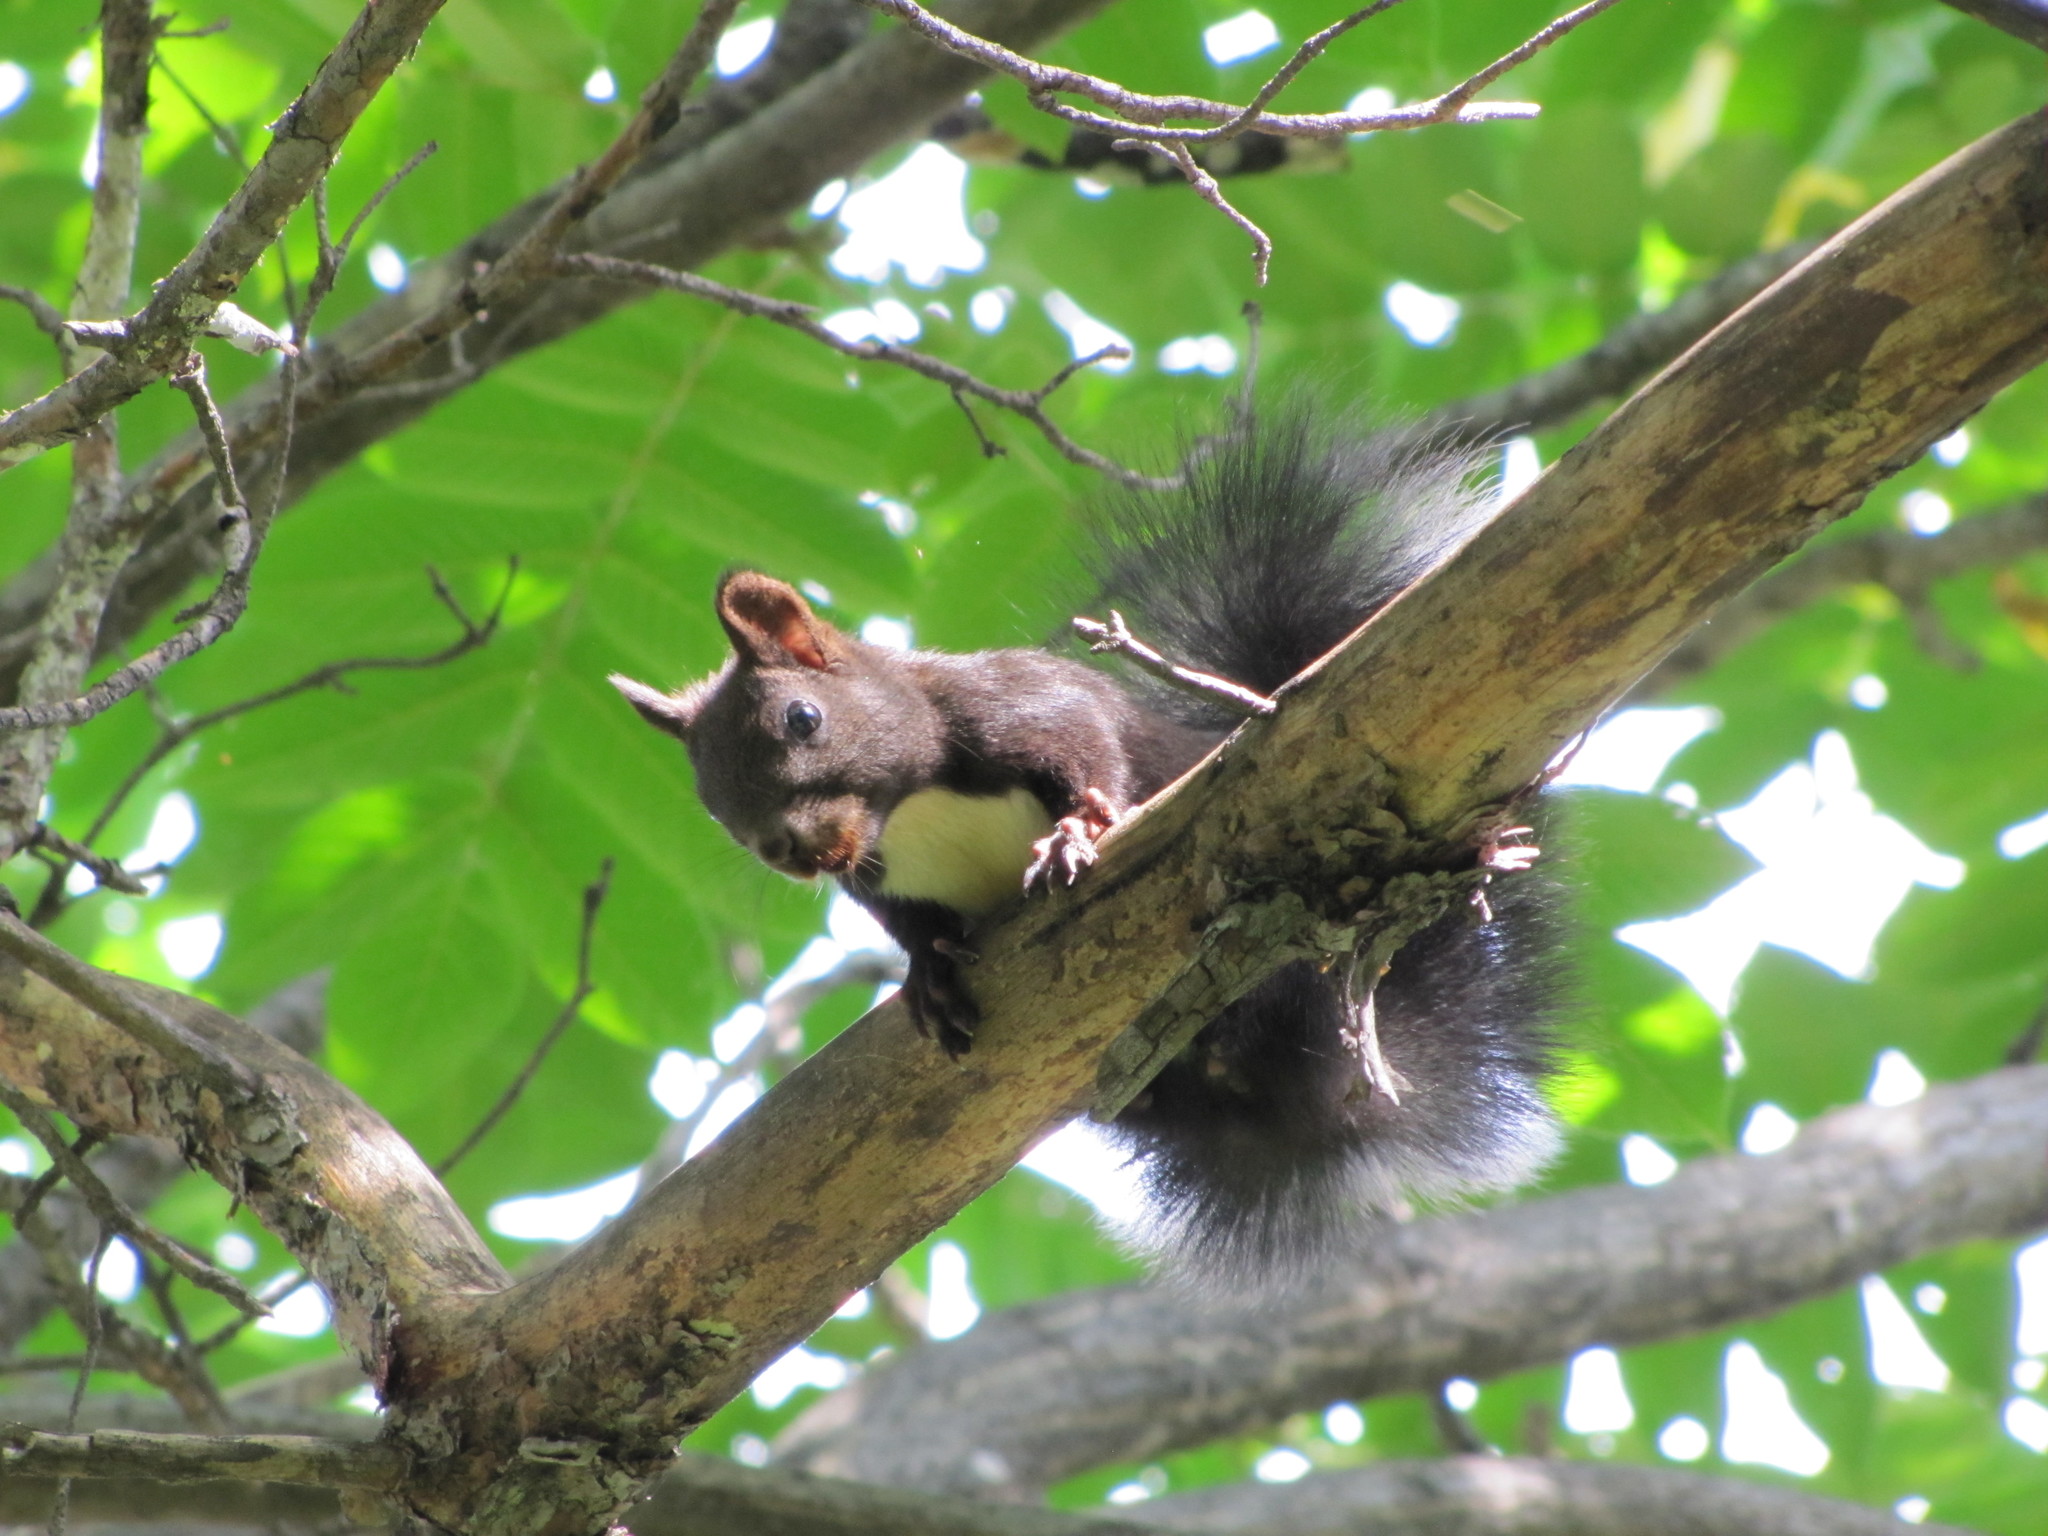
776	847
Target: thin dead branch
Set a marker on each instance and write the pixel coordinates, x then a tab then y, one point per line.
189	378
305	1459
1027	403
1142	116
1115	638
571	1010
173	733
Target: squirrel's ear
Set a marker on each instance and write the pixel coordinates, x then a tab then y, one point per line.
771	625
674	713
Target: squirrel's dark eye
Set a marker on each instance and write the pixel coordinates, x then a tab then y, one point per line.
802	718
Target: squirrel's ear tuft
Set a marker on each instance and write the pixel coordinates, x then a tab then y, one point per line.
772	626
674	713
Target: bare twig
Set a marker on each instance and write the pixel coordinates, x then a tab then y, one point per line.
334	254
48	318
1207	189
60	1512
593	903
1027	403
174	733
664	215
530	260
280	1289
40	1186
990	448
1459	94
1306	54
157	1281
189	378
108	872
97	539
243	529
1115	638
113	1214
134	1350
1142	116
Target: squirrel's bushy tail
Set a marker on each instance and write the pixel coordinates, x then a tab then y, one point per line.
1264	1149
1293	528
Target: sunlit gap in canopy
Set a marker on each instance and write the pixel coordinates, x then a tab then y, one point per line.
743	44
1761	1427
1834	871
1086	334
1244	36
913	218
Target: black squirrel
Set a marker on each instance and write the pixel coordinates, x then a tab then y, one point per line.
935	787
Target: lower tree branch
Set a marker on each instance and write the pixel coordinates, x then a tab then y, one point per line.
1051	1389
1515	1496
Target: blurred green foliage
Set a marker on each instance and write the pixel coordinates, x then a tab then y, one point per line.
426	836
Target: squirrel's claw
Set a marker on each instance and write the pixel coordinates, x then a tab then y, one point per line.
939	1004
1070	847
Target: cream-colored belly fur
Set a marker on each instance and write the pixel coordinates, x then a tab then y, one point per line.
967	852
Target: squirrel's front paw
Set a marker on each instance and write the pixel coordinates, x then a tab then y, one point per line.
1070	847
935	992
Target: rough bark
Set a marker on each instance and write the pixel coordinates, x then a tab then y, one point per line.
137	1171
343	1191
